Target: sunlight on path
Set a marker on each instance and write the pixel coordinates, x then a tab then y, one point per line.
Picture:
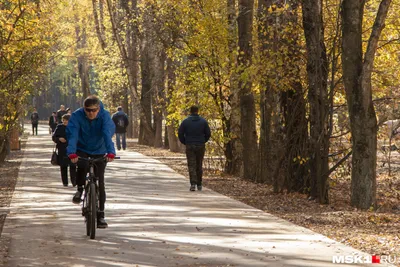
154	221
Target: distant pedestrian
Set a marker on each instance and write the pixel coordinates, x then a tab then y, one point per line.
53	121
35	121
60	138
69	111
60	113
121	122
194	132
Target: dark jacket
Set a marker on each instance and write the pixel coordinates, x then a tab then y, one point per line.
90	136
60	113
61	147
121	121
53	122
35	118
194	130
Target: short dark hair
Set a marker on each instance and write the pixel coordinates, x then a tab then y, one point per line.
194	109
119	108
91	100
66	117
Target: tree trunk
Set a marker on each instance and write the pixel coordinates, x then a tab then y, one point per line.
247	103
83	66
146	137
98	24
317	71
130	63
171	129
132	53
233	148
266	150
159	94
357	81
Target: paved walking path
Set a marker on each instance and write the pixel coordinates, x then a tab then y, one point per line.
153	221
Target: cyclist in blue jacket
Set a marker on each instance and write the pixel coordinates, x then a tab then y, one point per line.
89	134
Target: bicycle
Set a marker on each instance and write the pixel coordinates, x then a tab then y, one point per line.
90	203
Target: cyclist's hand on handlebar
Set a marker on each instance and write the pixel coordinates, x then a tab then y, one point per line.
110	157
73	158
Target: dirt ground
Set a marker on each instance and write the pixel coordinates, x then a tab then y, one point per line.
8	179
375	232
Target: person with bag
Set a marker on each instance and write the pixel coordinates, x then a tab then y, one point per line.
34	121
60	138
121	122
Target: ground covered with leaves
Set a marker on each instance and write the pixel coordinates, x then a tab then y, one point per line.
8	179
375	232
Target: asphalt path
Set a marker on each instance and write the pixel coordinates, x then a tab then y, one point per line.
154	220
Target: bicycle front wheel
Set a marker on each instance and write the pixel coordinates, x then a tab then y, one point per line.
86	211
93	210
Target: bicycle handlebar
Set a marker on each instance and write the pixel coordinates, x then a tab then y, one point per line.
95	159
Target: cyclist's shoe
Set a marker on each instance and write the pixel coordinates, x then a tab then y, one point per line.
199	187
101	223
192	187
78	196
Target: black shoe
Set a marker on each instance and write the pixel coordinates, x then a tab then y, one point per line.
77	197
101	223
192	187
199	187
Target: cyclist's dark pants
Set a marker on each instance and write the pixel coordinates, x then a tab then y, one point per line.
195	155
83	169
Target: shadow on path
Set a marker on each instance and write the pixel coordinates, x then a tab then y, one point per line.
153	221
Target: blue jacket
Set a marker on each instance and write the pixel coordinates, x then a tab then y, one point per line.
194	130
92	137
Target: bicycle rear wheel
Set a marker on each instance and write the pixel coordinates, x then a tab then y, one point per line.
93	210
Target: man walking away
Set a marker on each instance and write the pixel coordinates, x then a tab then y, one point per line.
34	121
194	132
121	122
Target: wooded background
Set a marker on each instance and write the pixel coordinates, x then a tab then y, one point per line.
294	91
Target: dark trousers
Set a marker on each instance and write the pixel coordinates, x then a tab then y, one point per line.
195	155
99	169
72	174
118	137
34	126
